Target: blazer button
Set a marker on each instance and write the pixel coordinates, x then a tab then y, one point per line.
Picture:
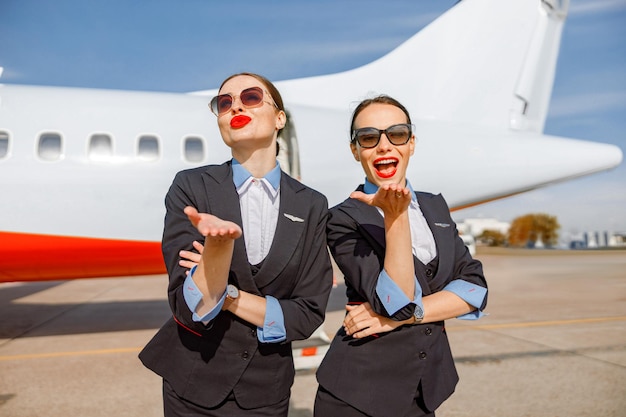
423	355
429	272
245	355
253	332
428	331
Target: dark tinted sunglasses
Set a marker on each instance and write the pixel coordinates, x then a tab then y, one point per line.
250	97
368	137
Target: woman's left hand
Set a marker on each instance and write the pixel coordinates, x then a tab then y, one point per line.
189	258
361	321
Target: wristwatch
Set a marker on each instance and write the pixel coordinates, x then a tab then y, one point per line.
418	314
232	292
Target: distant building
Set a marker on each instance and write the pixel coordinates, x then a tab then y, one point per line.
593	240
587	240
475	227
617	239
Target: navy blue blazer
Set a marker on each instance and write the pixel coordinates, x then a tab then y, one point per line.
204	364
380	375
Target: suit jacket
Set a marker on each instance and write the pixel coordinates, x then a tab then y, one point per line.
381	375
204	364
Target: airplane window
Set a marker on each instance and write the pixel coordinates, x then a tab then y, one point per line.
100	147
49	147
194	149
4	144
148	148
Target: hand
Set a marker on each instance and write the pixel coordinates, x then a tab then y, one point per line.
189	258
361	321
212	227
393	199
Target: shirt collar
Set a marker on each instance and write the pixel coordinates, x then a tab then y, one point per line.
241	174
369	188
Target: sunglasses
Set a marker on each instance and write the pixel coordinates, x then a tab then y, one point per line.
250	97
368	137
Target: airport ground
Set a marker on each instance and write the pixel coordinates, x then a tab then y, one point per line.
554	343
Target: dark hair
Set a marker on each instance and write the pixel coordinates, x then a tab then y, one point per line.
382	99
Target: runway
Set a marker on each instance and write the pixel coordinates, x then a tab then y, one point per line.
553	344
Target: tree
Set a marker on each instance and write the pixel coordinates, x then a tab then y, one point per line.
527	230
492	237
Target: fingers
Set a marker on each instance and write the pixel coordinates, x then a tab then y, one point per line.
192	215
353	311
388	197
227	232
365	333
394	191
361	328
186	264
190	256
362	321
354	326
211	226
356	319
198	246
365	198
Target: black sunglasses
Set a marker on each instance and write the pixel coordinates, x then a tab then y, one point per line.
368	137
250	97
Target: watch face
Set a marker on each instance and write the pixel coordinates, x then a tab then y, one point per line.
232	291
418	313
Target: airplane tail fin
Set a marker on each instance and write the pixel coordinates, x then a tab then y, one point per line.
485	62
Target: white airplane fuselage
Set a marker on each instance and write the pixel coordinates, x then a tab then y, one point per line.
84	172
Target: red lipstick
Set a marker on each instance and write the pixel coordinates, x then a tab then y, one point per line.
239	121
386	167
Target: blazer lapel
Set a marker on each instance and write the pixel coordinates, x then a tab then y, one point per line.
292	221
368	218
224	203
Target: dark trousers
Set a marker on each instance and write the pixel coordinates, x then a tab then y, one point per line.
175	406
327	405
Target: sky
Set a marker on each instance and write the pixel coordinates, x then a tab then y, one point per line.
191	45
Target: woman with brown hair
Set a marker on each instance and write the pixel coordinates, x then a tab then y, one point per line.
263	277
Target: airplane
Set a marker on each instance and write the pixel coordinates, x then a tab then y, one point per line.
85	171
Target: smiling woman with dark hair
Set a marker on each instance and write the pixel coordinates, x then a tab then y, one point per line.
261	278
406	271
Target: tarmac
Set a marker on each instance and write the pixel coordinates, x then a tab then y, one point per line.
553	344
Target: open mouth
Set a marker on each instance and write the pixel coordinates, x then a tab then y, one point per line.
386	167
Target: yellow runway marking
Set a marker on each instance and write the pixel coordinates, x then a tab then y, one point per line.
453	328
76	353
538	323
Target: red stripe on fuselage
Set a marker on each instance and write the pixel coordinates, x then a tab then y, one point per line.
32	257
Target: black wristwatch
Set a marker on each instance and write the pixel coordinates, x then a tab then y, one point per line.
232	292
